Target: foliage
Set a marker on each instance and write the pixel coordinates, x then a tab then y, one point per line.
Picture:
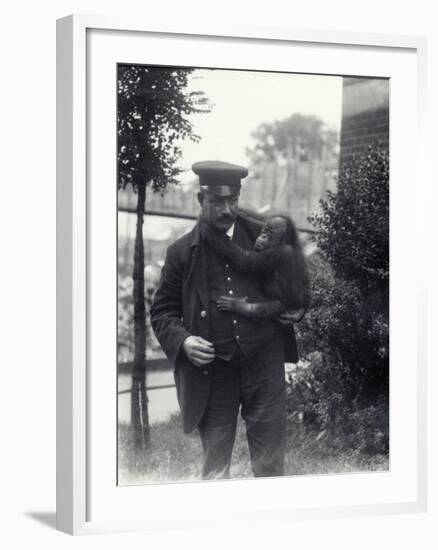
153	110
353	229
125	319
345	334
319	402
350	329
125	308
299	136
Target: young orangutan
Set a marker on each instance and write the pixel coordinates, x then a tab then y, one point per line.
277	256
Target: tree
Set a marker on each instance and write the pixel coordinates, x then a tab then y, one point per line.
292	163
152	116
301	136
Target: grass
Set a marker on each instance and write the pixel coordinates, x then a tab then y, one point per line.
176	456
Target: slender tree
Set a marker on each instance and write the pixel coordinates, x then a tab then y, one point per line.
153	119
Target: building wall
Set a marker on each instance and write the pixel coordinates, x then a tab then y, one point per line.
365	115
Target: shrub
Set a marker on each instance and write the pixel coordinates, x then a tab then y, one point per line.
345	334
353	228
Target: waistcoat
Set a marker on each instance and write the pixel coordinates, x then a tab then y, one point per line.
227	329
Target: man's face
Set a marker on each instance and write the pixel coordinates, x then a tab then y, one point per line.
220	212
272	233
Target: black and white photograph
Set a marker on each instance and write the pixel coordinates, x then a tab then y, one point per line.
219	298
253	274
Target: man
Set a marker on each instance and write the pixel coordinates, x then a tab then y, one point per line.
221	361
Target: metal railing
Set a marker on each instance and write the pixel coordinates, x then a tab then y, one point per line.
164	213
148	388
151	365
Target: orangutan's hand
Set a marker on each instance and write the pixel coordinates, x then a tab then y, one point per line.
238	305
288	318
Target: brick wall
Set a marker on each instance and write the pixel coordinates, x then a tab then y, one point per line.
365	114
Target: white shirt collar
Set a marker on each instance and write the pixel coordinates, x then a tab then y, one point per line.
230	231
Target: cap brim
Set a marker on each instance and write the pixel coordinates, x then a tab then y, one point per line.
221	190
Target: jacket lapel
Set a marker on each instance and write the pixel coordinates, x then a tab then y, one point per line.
198	268
241	235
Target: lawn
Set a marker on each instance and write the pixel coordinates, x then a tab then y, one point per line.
176	456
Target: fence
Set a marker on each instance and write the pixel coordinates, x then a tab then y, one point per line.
131	210
151	365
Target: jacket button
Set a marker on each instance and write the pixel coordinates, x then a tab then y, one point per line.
205	372
203	314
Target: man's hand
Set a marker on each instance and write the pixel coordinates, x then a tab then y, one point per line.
199	351
288	318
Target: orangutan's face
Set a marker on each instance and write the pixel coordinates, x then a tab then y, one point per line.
272	233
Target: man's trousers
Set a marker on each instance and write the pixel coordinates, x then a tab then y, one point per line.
256	385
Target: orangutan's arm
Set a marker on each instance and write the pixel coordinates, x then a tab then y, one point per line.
242	259
256	310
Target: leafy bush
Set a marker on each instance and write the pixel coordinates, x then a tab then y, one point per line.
345	334
125	319
126	316
353	229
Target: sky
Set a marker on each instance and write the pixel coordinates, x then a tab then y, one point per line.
244	99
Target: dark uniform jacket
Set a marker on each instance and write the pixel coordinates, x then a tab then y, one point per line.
181	308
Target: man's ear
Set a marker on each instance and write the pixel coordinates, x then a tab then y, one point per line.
200	198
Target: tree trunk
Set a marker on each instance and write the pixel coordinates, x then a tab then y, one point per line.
139	401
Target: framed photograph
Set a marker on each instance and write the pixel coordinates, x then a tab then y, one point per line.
238	323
